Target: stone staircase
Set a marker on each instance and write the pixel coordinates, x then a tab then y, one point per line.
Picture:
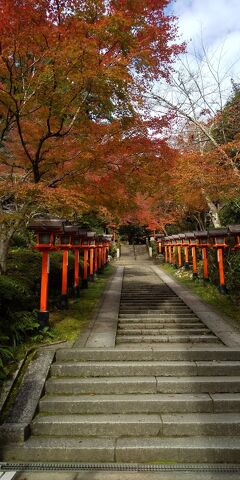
138	405
151	313
175	399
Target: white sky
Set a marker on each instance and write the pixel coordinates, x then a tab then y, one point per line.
211	29
216	23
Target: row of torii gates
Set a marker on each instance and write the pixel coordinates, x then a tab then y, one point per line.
217	238
58	235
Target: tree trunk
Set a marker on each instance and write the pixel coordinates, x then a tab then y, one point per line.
4	247
213	212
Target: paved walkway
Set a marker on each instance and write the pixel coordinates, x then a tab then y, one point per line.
155	378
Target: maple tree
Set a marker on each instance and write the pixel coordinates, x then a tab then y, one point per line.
71	72
204	121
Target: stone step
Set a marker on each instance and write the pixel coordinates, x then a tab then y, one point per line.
122	325
149	296
222	424
165	353
162	331
202	449
119	404
149	293
152	306
138	385
153	368
152	298
147	338
101	425
105	369
115	425
59	449
159	319
101	385
160	287
152	301
162	308
153	312
177	316
197	384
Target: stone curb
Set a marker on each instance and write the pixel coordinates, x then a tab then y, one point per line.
80	342
16	427
229	335
103	332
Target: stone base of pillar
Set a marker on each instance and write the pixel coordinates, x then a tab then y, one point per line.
43	319
64	301
85	283
76	292
223	289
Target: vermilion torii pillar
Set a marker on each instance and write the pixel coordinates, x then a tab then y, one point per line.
106	246
65	245
88	246
96	258
76	288
166	250
170	249
159	239
219	235
45	230
202	242
100	246
186	252
76	245
175	249
85	248
181	237
193	246
92	246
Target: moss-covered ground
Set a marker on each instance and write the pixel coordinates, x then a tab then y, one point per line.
223	304
65	325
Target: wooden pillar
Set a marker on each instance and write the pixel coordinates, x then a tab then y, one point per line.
96	259
85	268
64	295
166	253
179	256
76	273
222	286
194	261
99	259
205	264
91	263
103	256
186	263
175	255
43	314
